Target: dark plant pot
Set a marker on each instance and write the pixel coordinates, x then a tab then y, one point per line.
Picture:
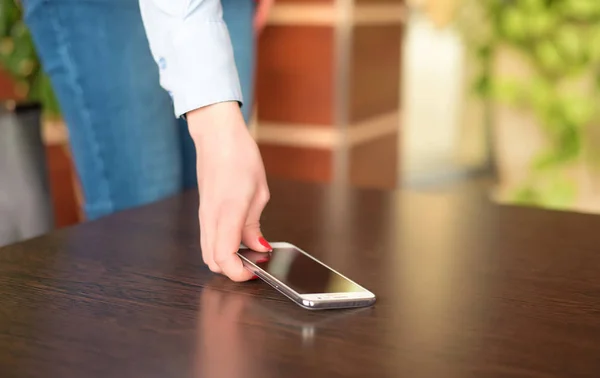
25	201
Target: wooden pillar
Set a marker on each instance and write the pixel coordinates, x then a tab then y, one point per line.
7	87
328	89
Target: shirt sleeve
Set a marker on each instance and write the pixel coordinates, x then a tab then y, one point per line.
192	47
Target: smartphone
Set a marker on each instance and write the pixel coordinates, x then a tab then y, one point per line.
304	279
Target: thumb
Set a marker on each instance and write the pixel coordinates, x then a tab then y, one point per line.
252	236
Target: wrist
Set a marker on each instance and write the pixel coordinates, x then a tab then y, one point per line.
215	118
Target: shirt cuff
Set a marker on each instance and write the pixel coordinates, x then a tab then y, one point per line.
201	69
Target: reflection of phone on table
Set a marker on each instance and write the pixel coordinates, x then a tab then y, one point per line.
304	279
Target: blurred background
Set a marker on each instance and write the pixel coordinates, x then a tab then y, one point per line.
421	94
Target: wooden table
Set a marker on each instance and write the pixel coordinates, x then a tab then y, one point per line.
466	289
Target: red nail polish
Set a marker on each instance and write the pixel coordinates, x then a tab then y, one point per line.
254	278
265	243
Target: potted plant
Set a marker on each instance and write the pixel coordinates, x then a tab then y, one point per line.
538	67
25	209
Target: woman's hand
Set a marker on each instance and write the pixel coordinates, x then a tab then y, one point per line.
262	14
232	186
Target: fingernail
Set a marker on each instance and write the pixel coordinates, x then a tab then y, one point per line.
262	261
265	243
254	278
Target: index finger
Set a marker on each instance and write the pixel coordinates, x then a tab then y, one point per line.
230	223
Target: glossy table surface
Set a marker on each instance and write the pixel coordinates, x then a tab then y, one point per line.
465	288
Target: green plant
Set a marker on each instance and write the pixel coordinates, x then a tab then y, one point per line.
19	59
560	41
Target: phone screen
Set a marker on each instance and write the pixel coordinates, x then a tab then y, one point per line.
299	272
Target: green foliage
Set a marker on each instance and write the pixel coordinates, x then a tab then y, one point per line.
19	58
560	40
555	192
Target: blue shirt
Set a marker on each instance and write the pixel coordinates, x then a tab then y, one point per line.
192	48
